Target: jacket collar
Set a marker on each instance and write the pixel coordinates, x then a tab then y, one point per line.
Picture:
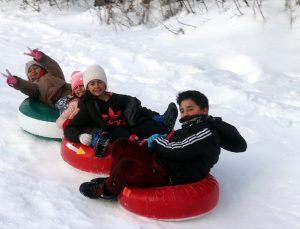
192	120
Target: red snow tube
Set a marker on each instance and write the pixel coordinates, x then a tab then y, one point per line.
82	157
176	202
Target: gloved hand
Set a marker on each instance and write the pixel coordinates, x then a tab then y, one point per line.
10	79
85	139
35	53
153	137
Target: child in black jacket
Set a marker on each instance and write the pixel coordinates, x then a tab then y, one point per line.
184	157
113	115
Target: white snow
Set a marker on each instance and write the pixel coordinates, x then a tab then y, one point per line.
248	68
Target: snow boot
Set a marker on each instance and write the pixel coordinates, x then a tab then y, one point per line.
100	140
169	117
94	190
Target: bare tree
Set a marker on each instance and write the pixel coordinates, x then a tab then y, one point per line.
132	12
257	4
34	4
290	6
145	11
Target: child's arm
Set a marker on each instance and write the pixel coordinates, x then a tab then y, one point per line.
231	139
50	65
69	113
28	88
24	86
135	113
75	127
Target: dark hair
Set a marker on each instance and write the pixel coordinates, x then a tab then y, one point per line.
199	98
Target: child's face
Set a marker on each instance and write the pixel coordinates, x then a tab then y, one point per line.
96	87
188	108
79	91
34	72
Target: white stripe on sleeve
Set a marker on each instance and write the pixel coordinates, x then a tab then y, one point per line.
186	142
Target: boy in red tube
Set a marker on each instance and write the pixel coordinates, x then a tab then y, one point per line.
184	157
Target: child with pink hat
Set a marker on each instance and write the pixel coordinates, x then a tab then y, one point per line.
72	105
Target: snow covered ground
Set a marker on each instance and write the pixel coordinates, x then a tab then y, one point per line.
248	68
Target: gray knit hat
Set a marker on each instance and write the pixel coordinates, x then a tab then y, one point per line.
94	72
30	63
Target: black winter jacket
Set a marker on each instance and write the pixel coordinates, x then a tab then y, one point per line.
117	115
193	150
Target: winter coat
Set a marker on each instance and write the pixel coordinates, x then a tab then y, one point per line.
117	116
68	114
49	87
192	151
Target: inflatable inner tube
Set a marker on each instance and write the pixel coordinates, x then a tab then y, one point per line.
82	157
176	202
38	119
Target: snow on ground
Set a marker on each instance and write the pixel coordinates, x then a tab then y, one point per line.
248	68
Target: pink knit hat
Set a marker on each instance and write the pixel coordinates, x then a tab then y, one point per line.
76	79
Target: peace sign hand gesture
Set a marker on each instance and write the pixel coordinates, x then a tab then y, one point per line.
35	53
10	79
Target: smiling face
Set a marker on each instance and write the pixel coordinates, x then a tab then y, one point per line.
79	91
188	107
34	72
97	88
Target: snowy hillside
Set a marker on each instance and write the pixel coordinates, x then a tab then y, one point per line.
248	68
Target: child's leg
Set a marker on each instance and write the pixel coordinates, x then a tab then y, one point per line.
149	127
134	173
120	132
122	148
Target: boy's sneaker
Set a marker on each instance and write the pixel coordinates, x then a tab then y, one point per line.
169	117
94	190
100	140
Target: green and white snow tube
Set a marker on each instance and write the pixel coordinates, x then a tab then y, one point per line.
38	119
